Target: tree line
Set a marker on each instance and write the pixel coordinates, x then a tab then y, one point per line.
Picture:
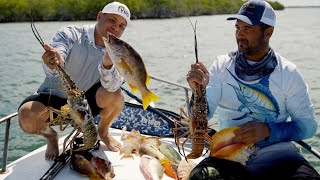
73	10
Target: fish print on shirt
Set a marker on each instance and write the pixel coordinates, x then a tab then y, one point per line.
258	99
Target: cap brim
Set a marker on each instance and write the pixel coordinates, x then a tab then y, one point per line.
240	17
129	23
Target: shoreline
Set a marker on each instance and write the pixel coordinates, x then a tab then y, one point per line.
53	10
303	6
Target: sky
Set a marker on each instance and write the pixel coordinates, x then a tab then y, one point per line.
288	3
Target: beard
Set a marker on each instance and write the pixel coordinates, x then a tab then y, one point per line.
252	48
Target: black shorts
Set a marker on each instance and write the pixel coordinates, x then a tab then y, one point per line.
56	102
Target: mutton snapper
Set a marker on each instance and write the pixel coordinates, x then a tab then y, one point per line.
130	66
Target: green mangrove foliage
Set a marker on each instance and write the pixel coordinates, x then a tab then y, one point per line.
67	10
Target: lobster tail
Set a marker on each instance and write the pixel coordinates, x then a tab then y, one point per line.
197	145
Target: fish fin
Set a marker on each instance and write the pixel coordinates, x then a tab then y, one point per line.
123	133
265	81
133	88
121	151
148	80
125	66
168	170
147	98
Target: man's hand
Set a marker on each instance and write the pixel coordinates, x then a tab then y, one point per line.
252	132
198	74
106	61
52	57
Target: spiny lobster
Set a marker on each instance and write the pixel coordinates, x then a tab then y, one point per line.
197	130
76	112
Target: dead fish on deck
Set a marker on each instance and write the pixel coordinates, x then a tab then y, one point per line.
151	168
184	169
151	141
131	143
170	153
93	166
130	66
164	161
103	167
83	166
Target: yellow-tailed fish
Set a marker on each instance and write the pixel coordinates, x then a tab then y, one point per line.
130	66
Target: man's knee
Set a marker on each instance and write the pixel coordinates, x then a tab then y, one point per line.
30	119
24	117
119	99
106	99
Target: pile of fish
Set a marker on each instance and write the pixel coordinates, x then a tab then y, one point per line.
156	158
93	166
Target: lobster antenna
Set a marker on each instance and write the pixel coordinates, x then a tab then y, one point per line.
37	35
34	29
195	38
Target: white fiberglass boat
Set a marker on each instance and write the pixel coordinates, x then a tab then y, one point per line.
153	121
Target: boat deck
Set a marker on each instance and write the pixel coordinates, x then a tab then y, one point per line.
34	165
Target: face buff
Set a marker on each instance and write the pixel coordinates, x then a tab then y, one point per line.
256	71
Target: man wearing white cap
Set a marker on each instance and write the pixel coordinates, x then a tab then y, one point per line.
80	50
264	94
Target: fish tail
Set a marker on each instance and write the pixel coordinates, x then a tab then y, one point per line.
168	170
147	98
125	154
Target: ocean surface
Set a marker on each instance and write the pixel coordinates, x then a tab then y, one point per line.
167	47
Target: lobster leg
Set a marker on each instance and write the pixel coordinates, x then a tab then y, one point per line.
177	141
66	140
177	136
182	145
73	139
61	119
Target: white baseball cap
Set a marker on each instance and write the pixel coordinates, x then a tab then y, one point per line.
118	8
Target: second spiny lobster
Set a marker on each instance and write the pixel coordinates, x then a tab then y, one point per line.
197	127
